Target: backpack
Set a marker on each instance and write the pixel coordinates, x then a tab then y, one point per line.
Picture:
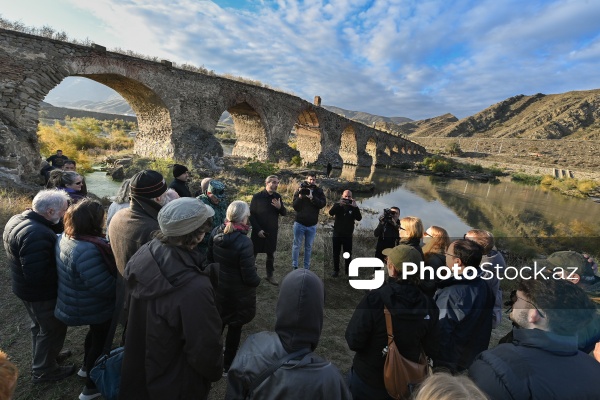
400	375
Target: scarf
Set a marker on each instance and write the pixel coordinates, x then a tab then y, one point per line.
243	228
105	251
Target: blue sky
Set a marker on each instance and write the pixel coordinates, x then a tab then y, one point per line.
416	59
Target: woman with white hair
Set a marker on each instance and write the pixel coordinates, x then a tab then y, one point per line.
231	247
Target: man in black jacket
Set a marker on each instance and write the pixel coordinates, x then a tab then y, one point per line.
179	184
466	303
345	212
387	232
308	200
29	240
542	361
265	208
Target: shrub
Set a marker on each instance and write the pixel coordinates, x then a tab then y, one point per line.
453	149
547	180
296	161
260	169
526	179
587	186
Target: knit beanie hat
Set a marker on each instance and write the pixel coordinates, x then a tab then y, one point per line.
148	184
179	169
182	216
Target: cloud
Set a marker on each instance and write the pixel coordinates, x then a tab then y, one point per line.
413	58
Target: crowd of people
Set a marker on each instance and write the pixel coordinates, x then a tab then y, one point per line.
179	272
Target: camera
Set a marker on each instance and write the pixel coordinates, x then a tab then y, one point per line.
388	215
347	201
305	188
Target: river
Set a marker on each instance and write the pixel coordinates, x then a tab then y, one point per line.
507	209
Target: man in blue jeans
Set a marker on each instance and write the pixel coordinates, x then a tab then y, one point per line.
308	200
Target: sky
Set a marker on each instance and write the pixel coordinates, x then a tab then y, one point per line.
404	58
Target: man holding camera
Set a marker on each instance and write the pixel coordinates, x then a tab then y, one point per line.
387	232
345	212
308	200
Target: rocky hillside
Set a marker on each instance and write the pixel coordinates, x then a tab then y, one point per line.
366	118
573	115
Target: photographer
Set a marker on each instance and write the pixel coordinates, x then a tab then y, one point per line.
345	212
308	200
387	231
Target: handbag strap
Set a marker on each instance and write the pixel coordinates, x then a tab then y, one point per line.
274	367
388	324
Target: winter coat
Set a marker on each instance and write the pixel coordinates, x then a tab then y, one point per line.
307	210
345	215
536	365
298	326
86	289
238	279
29	241
465	321
387	237
414	320
265	217
181	187
131	228
173	348
74	194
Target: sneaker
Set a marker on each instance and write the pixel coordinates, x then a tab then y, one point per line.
82	373
63	355
54	375
335	274
89	394
272	280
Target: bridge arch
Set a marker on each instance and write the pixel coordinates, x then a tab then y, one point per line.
154	118
371	149
349	146
308	135
250	132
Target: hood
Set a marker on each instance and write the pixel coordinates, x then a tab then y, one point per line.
157	269
405	300
299	310
223	240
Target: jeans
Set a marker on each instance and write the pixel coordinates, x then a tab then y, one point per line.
47	335
307	233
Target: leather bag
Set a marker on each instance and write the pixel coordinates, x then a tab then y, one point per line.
401	375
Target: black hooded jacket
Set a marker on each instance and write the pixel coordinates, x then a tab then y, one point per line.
414	319
298	326
237	275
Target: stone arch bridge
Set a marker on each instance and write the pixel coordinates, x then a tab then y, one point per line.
177	110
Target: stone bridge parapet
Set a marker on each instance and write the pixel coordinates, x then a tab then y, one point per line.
177	110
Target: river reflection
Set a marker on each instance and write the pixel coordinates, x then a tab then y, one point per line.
507	209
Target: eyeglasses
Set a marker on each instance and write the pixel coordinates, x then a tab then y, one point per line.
78	183
451	255
427	234
534	306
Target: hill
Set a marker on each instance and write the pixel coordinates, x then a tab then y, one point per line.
366	118
572	115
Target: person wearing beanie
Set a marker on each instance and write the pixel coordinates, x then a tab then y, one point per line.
173	341
298	326
216	199
179	184
132	227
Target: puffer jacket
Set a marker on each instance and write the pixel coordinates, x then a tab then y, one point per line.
307	210
238	279
29	241
537	365
86	289
173	348
414	319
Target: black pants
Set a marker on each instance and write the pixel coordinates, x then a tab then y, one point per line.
270	263
338	243
232	342
93	346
